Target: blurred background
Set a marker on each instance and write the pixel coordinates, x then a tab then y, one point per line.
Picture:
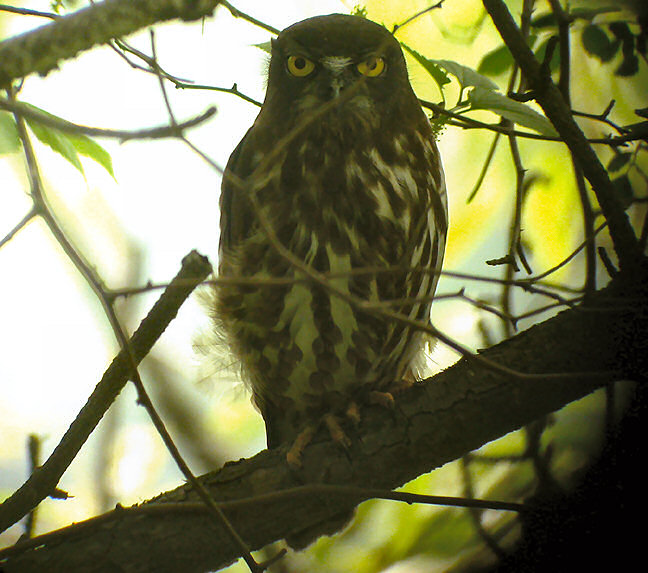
161	201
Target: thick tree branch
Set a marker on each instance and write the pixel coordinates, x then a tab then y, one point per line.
43	481
434	422
43	49
548	95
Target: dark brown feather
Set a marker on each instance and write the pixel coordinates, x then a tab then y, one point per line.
345	169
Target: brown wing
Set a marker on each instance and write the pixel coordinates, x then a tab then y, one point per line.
236	213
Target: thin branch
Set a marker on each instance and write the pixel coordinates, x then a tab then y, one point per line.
42	482
239	14
485	166
475	512
233	90
121	48
34	446
550	99
603	117
28	12
145	400
515	229
416	16
33	212
45	48
123	135
566	260
564	21
465	122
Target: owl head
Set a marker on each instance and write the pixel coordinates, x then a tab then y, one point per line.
338	57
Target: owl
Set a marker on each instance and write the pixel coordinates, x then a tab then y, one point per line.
333	210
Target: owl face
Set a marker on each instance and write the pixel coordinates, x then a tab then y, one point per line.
336	57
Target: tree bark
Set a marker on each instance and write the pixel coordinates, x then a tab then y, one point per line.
44	49
434	422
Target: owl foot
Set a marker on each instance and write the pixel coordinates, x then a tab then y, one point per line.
353	414
384	399
294	455
336	431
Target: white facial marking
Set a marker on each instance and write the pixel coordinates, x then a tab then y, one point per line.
335	64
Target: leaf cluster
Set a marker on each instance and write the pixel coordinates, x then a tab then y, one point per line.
479	93
70	146
603	40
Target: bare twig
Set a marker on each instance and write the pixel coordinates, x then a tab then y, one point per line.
45	48
550	99
239	14
515	229
122	135
144	399
484	169
416	16
33	212
476	512
465	122
564	21
28	12
603	117
42	482
233	90
34	449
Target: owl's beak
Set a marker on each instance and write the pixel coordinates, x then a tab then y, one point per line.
337	68
337	84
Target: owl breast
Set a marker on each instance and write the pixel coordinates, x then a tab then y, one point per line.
366	215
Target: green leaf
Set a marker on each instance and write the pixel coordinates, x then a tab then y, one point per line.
57	141
467	77
437	74
70	145
549	20
591	13
496	62
597	43
629	65
619	161
88	147
9	139
480	98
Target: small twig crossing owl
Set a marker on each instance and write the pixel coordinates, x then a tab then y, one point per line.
340	177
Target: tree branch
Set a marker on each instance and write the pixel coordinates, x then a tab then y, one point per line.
43	480
435	422
43	49
557	110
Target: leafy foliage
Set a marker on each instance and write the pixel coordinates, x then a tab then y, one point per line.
68	145
482	93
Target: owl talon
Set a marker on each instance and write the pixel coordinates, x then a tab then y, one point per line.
353	414
293	457
397	386
384	399
336	431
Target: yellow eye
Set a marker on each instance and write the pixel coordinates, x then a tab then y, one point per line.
300	66
372	67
